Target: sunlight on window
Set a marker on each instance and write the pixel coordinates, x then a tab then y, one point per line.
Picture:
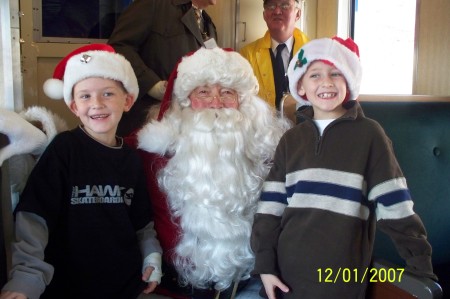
384	31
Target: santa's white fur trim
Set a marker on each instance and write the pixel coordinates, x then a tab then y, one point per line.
156	137
23	137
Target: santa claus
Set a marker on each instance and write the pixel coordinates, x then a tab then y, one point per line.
206	157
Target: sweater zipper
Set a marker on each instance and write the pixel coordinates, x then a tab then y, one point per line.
319	140
320	137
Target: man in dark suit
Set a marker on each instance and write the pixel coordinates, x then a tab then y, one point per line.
153	35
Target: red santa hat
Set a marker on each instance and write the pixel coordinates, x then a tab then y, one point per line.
206	67
343	54
94	60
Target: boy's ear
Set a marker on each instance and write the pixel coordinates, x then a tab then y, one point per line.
129	101
73	107
300	90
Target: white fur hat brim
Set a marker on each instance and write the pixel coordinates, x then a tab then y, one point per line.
157	137
344	59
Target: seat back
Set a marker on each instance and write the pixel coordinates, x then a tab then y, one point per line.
420	133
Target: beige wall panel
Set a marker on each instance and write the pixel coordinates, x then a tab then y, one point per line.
433	58
45	67
223	15
327	18
38	63
310	15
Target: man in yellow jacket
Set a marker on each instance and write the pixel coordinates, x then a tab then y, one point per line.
281	17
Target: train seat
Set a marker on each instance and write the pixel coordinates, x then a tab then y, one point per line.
420	132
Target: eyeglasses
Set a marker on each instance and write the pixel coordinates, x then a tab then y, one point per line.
283	6
225	95
227	99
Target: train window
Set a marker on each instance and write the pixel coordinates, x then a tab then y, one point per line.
385	32
75	21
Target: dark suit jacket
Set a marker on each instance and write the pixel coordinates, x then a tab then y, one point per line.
154	34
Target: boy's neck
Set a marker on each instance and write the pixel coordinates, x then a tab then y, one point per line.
116	142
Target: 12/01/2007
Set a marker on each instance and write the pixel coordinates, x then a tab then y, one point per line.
347	275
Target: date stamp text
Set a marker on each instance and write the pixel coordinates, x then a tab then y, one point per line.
348	275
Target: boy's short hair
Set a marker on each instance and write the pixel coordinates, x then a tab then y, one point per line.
343	54
95	60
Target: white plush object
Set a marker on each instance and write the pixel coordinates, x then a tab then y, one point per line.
23	136
51	123
333	50
21	163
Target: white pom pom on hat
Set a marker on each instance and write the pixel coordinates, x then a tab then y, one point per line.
53	88
343	54
94	60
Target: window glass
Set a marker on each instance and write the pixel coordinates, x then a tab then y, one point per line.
384	31
69	20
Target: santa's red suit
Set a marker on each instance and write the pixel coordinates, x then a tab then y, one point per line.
164	225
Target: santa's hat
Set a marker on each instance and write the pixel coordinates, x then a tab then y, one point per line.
343	54
206	67
95	60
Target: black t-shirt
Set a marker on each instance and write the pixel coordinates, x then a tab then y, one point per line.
93	199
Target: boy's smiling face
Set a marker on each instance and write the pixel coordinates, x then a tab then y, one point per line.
326	88
99	103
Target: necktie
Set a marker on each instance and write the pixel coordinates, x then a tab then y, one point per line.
200	23
198	17
279	75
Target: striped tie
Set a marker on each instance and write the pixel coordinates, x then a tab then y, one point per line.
198	17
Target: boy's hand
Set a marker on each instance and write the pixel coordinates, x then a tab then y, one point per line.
12	295
151	286
271	282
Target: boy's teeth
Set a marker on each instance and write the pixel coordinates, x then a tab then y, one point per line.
327	95
98	116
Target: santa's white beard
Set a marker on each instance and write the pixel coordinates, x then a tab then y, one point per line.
213	182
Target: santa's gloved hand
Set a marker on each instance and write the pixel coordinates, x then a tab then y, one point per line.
158	90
